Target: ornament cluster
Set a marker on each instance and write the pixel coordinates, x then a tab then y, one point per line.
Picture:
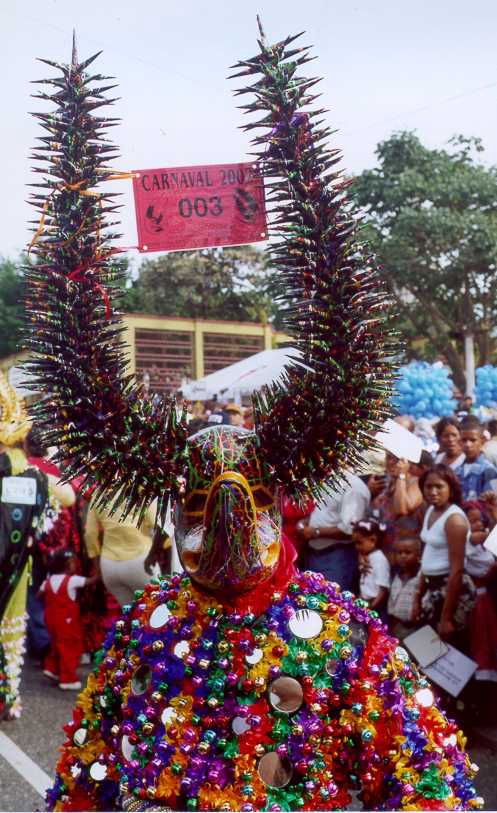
198	705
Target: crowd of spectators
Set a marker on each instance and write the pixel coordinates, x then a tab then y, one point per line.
406	537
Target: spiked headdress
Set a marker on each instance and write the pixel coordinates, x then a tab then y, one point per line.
307	428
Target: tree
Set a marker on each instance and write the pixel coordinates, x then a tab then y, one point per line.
431	216
11	306
229	283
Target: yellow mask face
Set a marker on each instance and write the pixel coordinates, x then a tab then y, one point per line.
227	527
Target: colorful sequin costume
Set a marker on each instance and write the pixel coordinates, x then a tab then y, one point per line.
242	685
18	521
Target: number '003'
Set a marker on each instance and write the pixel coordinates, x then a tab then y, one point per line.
200	206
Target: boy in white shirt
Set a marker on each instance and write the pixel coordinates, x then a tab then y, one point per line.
374	568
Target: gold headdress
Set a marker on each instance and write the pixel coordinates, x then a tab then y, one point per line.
14	421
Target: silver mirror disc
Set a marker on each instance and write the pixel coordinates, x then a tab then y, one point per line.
274	771
181	648
331	666
168	715
239	725
126	748
305	624
141	679
98	771
79	736
255	657
160	616
286	694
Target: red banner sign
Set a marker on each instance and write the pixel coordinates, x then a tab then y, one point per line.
197	207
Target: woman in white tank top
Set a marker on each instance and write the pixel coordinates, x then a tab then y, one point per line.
446	593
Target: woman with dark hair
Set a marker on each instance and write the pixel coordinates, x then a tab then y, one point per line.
448	432
446	593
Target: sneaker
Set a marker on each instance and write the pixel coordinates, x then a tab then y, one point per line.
68	686
51	675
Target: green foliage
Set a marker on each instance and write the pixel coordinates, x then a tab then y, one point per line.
11	306
431	216
229	283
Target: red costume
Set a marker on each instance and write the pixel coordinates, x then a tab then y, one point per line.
63	624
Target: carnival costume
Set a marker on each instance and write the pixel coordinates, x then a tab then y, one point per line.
241	684
18	522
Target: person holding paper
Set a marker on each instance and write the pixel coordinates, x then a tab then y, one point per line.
446	593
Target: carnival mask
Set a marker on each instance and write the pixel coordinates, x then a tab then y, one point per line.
227	525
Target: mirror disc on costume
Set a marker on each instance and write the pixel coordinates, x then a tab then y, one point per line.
141	679
168	715
358	634
181	648
305	624
75	771
255	657
160	616
79	736
286	694
98	771
239	725
274	771
425	697
331	666
126	748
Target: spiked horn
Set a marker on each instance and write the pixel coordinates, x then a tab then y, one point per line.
131	450
315	423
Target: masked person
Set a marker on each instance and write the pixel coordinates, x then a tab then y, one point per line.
242	683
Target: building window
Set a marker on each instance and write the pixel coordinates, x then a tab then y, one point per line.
166	356
223	349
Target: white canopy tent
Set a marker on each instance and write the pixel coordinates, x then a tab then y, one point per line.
243	377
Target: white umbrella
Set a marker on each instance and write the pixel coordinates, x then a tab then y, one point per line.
244	376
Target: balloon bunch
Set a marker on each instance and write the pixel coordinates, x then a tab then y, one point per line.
424	390
486	386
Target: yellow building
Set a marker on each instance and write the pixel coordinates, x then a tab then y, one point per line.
172	349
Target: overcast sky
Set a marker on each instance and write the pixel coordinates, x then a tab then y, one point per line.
428	65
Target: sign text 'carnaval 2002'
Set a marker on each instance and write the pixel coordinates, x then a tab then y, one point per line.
196	207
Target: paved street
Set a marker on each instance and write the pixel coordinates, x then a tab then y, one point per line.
39	735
